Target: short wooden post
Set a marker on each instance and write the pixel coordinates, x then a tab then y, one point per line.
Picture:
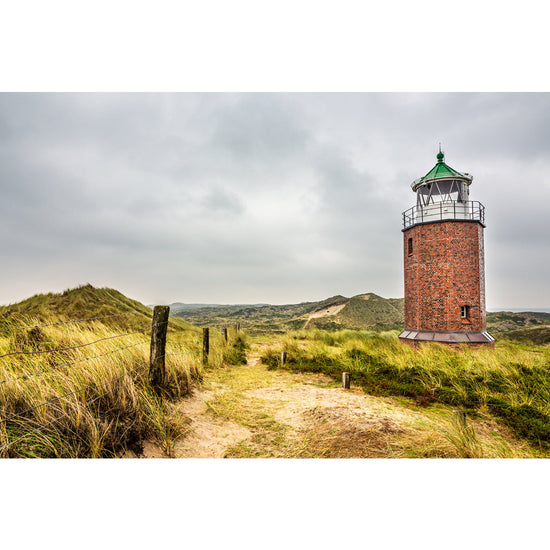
346	380
224	333
205	345
158	345
460	418
283	357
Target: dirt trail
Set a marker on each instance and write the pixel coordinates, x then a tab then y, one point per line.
249	411
209	436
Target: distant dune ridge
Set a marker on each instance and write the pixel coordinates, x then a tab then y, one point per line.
337	312
362	312
359	312
366	311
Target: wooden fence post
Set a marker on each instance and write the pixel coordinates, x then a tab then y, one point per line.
224	333
346	379
158	345
205	345
283	357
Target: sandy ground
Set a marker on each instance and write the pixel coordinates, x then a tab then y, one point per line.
249	411
327	311
261	413
209	436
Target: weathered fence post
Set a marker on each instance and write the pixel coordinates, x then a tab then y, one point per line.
205	345
224	333
158	345
346	380
283	357
460	418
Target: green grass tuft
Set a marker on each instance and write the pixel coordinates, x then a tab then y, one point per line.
512	382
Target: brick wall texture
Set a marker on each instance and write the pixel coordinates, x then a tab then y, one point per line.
445	271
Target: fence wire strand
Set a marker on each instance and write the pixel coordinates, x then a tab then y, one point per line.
43	371
66	413
49	402
72	321
4	422
53	400
38	352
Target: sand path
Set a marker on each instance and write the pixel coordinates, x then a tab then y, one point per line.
250	411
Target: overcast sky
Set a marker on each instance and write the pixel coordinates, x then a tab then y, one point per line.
246	198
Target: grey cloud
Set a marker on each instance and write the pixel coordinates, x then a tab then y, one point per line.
259	197
260	126
222	201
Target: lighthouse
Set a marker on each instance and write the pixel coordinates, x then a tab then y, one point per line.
444	261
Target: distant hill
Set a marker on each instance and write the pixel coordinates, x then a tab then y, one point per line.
529	335
178	306
82	302
501	321
337	312
364	311
360	312
520	310
527	327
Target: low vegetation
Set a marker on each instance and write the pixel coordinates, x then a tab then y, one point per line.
235	352
510	383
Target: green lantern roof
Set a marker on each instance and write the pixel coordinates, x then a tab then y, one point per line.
441	171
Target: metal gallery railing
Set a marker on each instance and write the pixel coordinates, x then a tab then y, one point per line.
443	211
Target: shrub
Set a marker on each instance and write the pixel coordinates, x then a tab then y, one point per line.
235	354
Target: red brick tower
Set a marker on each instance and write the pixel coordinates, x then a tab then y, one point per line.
444	262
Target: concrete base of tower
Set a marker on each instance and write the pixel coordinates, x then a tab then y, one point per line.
453	339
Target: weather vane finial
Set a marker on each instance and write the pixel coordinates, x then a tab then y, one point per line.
440	155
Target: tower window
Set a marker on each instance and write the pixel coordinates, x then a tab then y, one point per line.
410	246
465	312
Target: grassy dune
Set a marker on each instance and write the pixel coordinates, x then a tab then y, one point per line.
83	302
510	383
94	400
97	400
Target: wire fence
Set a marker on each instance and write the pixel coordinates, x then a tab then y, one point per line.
65	414
71	321
62	365
39	352
158	329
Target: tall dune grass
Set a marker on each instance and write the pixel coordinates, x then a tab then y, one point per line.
512	382
92	401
